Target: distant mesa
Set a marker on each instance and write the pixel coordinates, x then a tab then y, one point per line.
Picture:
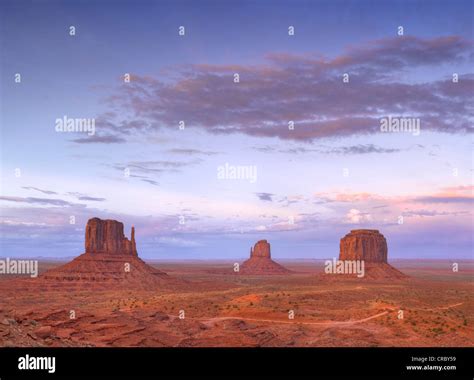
371	247
260	262
261	249
367	245
109	258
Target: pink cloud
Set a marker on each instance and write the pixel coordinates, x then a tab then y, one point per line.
305	89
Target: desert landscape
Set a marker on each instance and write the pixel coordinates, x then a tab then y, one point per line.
248	173
94	301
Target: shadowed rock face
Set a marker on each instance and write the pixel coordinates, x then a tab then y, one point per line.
367	245
106	236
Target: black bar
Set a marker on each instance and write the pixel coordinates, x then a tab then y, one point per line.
225	362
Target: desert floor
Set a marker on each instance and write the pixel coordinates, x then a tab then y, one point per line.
434	307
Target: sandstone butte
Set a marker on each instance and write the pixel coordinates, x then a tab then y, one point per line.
260	262
371	247
109	258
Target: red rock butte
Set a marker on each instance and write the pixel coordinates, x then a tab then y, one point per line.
371	247
260	262
109	258
368	245
106	236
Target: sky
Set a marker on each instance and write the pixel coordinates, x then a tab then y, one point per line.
302	124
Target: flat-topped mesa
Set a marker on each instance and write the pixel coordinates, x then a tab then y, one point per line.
367	245
261	249
106	236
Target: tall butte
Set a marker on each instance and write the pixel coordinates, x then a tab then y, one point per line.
369	246
106	236
260	262
109	258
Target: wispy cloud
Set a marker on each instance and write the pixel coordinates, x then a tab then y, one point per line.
191	152
150	181
84	197
265	196
100	139
363	149
155	167
456	194
428	213
445	199
343	150
40	201
40	190
147	171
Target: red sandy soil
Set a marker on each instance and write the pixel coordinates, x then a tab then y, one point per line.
227	310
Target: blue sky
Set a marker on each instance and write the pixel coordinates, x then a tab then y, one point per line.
301	202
